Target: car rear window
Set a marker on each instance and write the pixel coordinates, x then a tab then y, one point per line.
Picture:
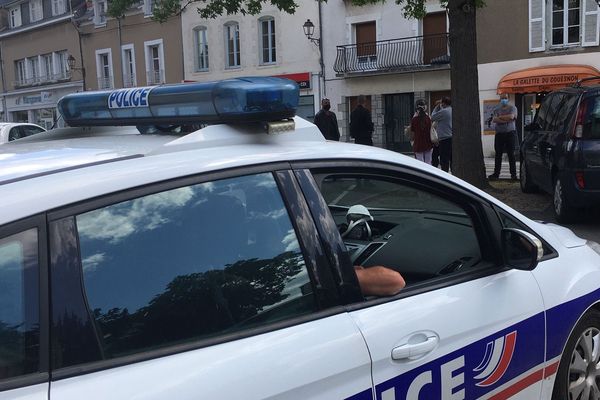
591	117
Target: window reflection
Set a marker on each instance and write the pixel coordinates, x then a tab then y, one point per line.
19	305
192	262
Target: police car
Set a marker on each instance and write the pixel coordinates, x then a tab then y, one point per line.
220	264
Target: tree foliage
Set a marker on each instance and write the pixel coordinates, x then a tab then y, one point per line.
206	8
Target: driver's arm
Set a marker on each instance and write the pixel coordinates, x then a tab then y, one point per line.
379	281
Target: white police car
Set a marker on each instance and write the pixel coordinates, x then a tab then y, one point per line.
219	264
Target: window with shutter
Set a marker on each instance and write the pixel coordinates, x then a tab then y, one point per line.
590	24
537	31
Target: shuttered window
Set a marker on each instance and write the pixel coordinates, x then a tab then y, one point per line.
537	10
590	24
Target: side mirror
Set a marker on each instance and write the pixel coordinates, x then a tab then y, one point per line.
520	249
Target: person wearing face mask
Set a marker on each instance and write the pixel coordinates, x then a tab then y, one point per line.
505	115
326	121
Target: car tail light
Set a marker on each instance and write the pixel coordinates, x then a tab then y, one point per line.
580	179
578	128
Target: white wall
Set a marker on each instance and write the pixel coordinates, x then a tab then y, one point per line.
295	53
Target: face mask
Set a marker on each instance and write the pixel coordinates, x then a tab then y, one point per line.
504	101
326	107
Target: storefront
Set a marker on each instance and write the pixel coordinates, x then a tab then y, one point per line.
38	105
306	104
528	87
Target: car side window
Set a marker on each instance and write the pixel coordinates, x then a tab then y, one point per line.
553	107
391	223
566	109
15	133
591	117
19	305
192	263
29	130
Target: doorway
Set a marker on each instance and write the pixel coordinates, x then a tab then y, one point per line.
435	44
397	115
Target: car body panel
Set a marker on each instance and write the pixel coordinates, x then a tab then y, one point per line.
345	355
325	359
461	317
35	392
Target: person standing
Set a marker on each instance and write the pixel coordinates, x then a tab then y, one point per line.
361	124
442	116
505	115
420	125
326	121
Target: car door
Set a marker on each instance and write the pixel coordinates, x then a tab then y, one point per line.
552	151
535	144
23	327
214	287
464	327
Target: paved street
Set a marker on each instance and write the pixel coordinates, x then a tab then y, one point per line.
538	206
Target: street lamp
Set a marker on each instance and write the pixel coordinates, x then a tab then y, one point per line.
71	63
309	30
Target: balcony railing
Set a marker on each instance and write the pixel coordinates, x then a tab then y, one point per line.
405	54
129	80
155	77
43	79
105	82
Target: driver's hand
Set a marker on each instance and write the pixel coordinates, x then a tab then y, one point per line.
379	280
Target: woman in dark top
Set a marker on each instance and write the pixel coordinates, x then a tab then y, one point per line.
420	125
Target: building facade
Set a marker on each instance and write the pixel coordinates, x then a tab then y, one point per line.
36	41
133	50
529	47
269	44
375	51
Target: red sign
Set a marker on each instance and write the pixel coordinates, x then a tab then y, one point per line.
303	79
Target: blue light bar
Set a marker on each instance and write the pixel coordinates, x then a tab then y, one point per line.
256	99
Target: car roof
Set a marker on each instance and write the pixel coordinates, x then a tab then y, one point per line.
4	124
57	150
37	176
137	160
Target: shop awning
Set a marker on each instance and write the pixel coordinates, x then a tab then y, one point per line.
545	79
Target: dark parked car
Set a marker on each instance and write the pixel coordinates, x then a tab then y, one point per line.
560	153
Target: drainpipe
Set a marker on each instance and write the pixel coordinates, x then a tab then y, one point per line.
121	51
80	54
4	111
321	37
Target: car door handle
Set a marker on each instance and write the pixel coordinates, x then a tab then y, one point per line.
415	349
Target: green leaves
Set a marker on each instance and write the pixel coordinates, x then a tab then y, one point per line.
164	9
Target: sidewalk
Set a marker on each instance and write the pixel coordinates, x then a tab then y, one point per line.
504	172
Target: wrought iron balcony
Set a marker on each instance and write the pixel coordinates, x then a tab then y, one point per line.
404	54
155	77
105	82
